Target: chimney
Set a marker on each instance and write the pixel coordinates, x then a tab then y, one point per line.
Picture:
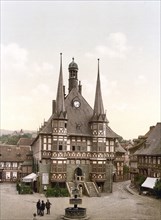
53	106
80	87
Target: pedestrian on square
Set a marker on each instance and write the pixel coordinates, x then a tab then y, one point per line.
42	208
48	204
34	218
38	204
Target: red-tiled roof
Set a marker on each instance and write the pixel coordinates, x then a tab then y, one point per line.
10	153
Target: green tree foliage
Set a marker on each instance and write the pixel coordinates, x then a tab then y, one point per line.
12	140
57	192
125	169
157	188
139	179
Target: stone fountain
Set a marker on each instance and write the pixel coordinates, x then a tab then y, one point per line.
75	213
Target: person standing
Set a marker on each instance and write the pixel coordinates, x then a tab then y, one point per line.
38	204
42	208
34	218
48	204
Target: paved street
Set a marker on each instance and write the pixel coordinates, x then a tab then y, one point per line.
120	205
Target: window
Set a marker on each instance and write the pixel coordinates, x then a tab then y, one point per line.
8	175
49	146
14	164
107	148
1	164
100	126
60	147
73	148
59	166
98	167
154	160
94	168
49	140
44	147
111	148
8	164
111	142
14	175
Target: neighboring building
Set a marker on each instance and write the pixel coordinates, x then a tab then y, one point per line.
11	157
146	155
27	166
119	162
24	142
76	142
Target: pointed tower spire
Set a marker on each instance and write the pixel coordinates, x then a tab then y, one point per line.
98	105
60	106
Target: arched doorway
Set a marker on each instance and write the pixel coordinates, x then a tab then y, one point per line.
78	174
78	171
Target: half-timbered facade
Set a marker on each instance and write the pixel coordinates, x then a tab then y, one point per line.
145	157
76	142
11	160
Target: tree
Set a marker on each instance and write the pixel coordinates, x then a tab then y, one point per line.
157	188
12	140
139	179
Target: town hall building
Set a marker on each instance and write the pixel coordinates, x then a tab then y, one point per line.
76	143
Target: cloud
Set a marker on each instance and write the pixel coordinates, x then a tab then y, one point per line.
140	80
115	46
24	84
41	89
14	59
120	107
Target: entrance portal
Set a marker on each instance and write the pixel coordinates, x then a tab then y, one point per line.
78	174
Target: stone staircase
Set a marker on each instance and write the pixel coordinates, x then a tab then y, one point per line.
70	186
91	189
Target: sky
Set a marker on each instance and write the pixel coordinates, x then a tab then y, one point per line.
124	35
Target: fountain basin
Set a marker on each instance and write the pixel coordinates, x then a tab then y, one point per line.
75	213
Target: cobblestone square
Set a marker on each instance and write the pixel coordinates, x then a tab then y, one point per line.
120	205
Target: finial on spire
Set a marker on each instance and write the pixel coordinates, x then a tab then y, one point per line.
98	65
73	59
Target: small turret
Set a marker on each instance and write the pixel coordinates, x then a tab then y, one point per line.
73	79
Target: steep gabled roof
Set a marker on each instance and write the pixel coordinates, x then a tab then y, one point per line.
110	133
152	145
25	141
78	118
119	148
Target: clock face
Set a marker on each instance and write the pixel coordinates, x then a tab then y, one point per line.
76	104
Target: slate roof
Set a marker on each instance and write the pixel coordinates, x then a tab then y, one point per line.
152	145
12	153
119	148
78	118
